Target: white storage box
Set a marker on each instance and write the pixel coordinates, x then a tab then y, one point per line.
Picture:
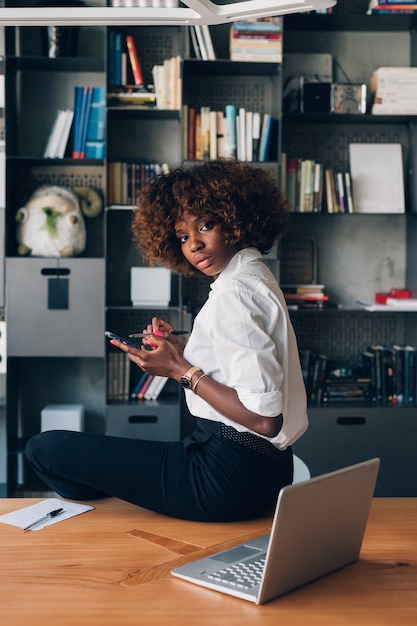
62	417
150	286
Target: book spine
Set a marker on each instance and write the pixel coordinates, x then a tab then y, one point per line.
134	60
192	114
230	115
142	391
256	135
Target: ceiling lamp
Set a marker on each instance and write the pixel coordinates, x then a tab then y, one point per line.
192	12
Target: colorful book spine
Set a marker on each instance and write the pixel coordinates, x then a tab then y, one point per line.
134	60
96	125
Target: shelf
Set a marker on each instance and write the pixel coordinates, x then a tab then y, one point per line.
127	112
36	161
339	118
59	64
223	67
351	22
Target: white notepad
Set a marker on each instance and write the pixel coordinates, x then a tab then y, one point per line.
377	175
29	514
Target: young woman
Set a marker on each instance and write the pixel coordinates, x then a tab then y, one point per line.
240	366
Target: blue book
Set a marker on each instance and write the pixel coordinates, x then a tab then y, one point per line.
135	391
118	49
97	115
231	138
85	109
94	150
78	98
268	140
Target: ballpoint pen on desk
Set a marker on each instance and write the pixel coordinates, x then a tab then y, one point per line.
44	518
174	332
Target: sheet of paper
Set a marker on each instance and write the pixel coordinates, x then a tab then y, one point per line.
29	514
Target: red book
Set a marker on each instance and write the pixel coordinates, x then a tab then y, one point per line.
134	60
142	390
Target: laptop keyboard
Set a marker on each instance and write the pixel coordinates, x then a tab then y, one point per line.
243	575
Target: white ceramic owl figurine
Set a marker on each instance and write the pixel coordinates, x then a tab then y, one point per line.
51	224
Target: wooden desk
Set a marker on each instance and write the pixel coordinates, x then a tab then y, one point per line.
111	567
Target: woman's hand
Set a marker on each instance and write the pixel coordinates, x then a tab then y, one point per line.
161	354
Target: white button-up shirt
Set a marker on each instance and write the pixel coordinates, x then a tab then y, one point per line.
243	337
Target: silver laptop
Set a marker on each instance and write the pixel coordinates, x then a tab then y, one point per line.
318	527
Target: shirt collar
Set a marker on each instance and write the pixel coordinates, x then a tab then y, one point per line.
240	259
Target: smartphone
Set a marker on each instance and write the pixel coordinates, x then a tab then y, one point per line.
128	342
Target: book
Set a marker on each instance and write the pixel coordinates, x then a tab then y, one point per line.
57	131
211	56
82	94
265	141
142	390
201	43
194	42
115	57
291	182
249	135
134	60
155	387
378	365
94	150
231	138
241	134
85	111
256	40
317	379
205	132
63	139
406	373
192	115
377	176
96	124
213	135
138	385
256	134
221	134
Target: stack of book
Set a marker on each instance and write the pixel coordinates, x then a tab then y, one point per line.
384	375
257	40
131	96
389	7
202	43
232	133
148	387
123	383
168	84
394	91
305	296
125	179
313	368
347	384
310	187
392	369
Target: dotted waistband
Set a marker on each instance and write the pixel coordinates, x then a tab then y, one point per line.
251	441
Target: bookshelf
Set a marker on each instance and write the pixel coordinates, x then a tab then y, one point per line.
69	351
353	251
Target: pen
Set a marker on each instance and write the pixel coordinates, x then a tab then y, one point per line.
44	518
174	332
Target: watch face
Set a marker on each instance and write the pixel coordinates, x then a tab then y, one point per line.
185	382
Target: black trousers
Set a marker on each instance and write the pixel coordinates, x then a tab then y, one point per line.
205	477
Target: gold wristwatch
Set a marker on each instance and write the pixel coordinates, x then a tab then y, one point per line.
185	380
